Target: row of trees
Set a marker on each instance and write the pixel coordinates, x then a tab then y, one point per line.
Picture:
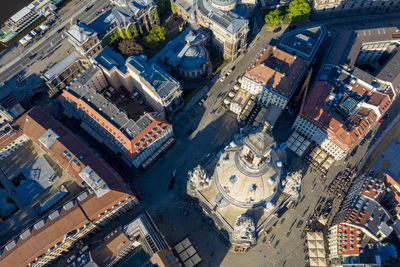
297	11
129	47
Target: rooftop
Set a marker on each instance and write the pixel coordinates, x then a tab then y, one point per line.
39	176
186	51
109	59
102	24
61	66
352	41
80	32
87	74
345	106
161	82
140	133
22	13
230	21
110	111
303	42
73	156
277	70
114	243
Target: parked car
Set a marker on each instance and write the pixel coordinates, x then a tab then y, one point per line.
363	142
354	151
201	101
88	7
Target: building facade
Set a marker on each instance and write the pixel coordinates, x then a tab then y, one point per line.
348	7
244	190
160	90
137	141
186	56
63	73
228	27
84	39
367	214
341	110
133	17
104	196
274	76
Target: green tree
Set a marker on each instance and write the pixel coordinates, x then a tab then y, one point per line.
174	8
273	18
156	15
156	35
299	10
163	7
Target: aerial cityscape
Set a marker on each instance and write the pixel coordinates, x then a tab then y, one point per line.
190	133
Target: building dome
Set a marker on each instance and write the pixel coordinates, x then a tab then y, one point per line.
248	175
224	5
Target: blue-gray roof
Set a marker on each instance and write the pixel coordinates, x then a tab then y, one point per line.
109	59
161	81
230	21
102	24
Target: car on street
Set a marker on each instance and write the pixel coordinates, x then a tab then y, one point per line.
201	101
229	72
222	78
363	142
70	259
354	151
88	7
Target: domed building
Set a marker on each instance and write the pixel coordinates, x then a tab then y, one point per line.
187	56
245	189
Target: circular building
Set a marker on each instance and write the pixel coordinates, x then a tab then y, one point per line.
249	176
244	190
224	5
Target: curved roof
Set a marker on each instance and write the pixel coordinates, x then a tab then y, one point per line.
248	186
223	2
194	58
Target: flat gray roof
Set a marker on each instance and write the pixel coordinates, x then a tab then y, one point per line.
61	66
110	111
39	176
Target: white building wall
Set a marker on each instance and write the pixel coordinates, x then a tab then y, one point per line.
317	135
251	86
98	81
165	135
5	116
13	146
151	98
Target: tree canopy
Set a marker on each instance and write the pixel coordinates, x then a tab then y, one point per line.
129	47
273	18
156	35
299	10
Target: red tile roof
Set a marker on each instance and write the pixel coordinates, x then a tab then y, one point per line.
34	124
46	237
278	70
130	144
345	134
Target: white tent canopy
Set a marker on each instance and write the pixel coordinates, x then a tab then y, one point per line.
316	249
